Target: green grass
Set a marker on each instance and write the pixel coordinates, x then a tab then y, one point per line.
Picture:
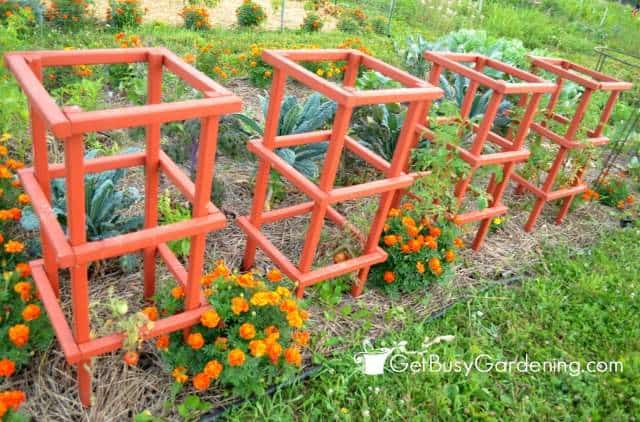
583	308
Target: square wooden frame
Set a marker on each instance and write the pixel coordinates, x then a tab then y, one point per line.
415	92
72	251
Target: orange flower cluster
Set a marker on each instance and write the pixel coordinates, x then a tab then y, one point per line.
195	17
11	399
19	335
127	41
590	195
232	327
7	367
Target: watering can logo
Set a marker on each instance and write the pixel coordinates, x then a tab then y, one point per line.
372	361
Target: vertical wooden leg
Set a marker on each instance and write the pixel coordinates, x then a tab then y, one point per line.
152	173
262	176
533	216
74	168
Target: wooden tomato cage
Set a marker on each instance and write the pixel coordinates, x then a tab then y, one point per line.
415	93
591	82
72	251
527	88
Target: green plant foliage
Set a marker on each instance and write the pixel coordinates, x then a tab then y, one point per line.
172	212
250	14
378	128
314	114
421	251
349	25
412	57
105	205
125	13
312	23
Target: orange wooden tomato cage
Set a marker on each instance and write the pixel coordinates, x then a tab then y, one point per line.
591	81
526	89
72	251
415	93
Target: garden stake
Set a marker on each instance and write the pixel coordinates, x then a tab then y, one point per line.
416	94
73	251
591	81
527	90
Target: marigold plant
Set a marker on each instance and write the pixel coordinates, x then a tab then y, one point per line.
422	249
23	326
252	337
125	13
312	23
195	17
614	192
250	14
69	13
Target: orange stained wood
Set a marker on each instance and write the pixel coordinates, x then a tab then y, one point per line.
415	93
591	82
74	251
522	87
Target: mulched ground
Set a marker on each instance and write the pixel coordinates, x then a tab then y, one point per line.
120	392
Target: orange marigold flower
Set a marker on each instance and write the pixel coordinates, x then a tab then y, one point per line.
420	267
210	318
257	348
390	240
180	374
293	356
246	280
458	242
272	330
177	292
12	399
13	246
394	212
151	312
236	357
23	288
434	231
131	358
283	292
408	221
274	350
294	319
414	245
14	164
213	369
239	305
23	269
221	343
162	342
389	277
408	206
413	231
19	335
288	305
23	199
189	58
449	255
274	275
405	248
195	340
5	173
247	331
221	270
201	381
7	368
31	312
301	338
435	266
